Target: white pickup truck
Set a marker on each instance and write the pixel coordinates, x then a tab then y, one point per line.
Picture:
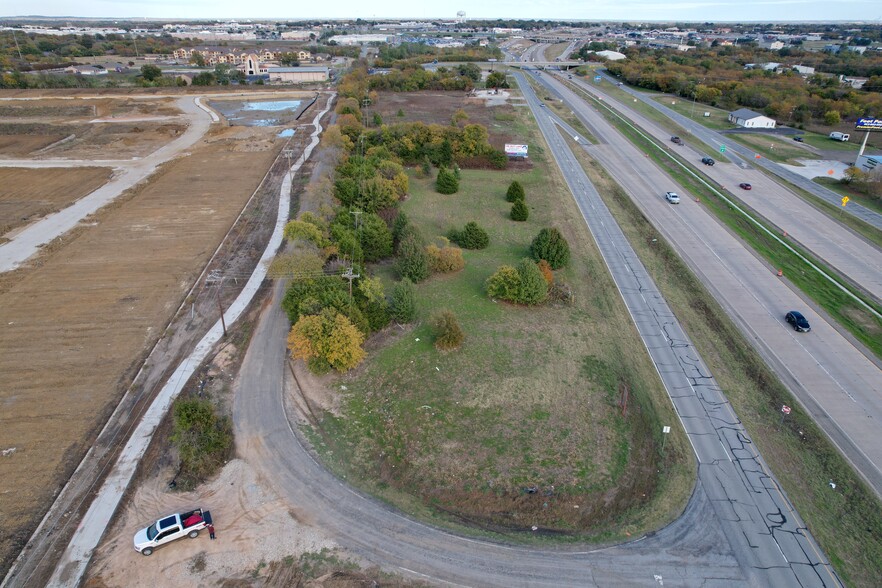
172	527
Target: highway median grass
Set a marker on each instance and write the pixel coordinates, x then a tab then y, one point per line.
845	520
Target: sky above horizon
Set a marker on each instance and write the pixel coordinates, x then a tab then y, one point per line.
622	10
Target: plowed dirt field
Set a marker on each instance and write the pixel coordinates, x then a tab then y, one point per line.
76	323
31	193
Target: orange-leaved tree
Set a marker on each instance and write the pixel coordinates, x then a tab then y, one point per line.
327	340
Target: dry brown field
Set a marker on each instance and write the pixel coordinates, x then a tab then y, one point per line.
76	324
16	145
28	194
87	108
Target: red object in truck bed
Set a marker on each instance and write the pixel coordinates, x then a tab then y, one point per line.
193	519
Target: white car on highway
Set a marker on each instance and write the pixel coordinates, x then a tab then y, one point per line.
672	197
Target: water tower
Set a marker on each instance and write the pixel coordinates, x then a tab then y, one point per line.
460	16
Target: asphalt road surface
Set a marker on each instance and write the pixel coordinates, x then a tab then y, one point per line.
831	378
738	529
854	257
734	150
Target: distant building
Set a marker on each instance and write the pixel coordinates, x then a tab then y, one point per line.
749	119
296	75
359	39
611	55
871	164
86	70
803	70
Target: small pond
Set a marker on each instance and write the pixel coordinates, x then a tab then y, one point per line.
254	113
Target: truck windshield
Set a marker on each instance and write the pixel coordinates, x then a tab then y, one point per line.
151	532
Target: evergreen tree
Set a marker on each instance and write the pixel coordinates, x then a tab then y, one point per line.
413	262
515	192
550	245
519	211
402	308
446	183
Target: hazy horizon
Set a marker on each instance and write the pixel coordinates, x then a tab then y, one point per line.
691	11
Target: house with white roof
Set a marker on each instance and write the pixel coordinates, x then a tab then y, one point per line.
744	117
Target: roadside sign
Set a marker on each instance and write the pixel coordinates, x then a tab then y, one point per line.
785	409
722	148
845	200
666	429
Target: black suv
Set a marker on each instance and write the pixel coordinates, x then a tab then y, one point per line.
707	161
797	321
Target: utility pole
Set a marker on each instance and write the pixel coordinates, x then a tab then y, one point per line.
349	275
215	277
17	48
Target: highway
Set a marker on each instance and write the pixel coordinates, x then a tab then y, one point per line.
831	378
853	256
735	150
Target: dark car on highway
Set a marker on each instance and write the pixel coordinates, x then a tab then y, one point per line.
707	161
795	319
745	186
798	139
676	139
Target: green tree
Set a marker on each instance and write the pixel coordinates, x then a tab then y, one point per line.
202	437
515	192
832	117
413	263
448	333
533	287
375	238
550	245
472	236
496	79
205	78
446	183
328	340
504	284
150	72
519	211
402	307
197	59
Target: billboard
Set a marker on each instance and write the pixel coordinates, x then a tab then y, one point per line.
516	150
868	124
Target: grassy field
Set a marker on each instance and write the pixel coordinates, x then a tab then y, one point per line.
531	400
846	521
859	321
853	194
718	119
780	149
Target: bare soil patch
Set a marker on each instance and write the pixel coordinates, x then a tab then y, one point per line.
21	145
117	140
254	527
78	322
32	193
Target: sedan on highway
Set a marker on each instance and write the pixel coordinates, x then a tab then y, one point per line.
707	161
798	139
795	319
745	186
677	140
672	197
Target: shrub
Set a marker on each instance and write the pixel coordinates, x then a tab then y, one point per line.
426	167
519	211
400	113
550	245
446	183
448	333
413	263
545	268
515	192
398	225
505	284
498	159
472	236
402	307
376	238
533	287
202	437
445	259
